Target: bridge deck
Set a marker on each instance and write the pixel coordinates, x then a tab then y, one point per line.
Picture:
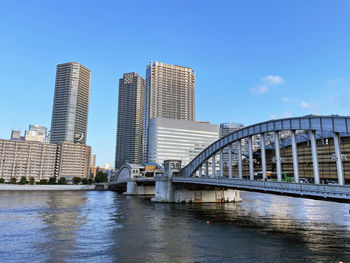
333	192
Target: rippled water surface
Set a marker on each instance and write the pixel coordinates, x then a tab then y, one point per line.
107	227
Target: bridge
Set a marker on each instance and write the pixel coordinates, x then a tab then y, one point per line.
272	135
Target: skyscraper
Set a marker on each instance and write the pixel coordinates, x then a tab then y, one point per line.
130	119
170	93
71	103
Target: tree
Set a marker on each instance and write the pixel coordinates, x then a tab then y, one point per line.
31	180
84	181
76	180
101	177
2	180
13	180
52	180
91	181
43	181
23	180
62	180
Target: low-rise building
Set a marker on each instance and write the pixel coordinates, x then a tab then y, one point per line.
43	160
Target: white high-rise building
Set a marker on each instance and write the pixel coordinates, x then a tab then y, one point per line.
183	140
169	93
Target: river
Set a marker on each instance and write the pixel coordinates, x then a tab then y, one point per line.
93	226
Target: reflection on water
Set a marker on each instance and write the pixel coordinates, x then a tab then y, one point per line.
108	227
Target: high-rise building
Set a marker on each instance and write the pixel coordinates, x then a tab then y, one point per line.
71	103
16	135
183	140
226	129
169	93
130	119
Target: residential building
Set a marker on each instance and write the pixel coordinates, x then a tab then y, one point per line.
70	104
74	160
171	139
169	93
27	158
130	119
43	160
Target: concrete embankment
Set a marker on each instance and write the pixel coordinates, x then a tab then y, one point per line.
18	187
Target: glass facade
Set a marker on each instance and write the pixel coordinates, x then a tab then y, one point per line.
179	139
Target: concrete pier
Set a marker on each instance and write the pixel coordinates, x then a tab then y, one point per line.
168	192
136	188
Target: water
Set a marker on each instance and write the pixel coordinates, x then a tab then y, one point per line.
108	227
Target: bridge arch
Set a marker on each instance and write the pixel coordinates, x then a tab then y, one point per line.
335	125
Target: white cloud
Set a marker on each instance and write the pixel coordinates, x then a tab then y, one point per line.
305	105
266	83
272	80
333	82
261	89
286	99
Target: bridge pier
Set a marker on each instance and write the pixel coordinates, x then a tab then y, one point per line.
168	192
134	188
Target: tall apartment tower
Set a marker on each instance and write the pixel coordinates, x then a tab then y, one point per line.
130	119
170	93
70	104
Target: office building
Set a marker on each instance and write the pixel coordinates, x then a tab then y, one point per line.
36	133
130	119
183	140
71	104
16	135
169	93
226	129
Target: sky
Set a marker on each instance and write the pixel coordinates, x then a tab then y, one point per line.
255	60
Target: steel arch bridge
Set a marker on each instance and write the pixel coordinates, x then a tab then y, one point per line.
333	125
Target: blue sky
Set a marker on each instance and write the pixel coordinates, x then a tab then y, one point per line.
254	60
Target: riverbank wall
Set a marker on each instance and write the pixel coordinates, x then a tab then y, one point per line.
18	187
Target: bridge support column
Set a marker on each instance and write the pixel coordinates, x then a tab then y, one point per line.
222	163
213	165
263	155
337	149
206	168
251	162
133	189
240	171
278	157
230	160
200	170
315	158
295	157
168	192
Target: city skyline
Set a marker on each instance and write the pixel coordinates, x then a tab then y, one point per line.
262	63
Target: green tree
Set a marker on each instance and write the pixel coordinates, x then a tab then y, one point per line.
52	180
91	181
23	180
62	180
43	181
84	181
31	180
76	180
13	180
101	177
2	180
